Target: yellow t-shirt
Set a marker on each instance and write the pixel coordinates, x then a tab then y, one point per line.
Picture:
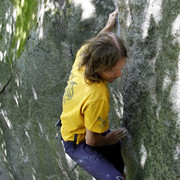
85	105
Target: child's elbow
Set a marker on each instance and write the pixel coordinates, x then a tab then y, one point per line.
90	141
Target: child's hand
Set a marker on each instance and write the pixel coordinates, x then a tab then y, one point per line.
112	20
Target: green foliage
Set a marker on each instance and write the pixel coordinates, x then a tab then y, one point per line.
26	17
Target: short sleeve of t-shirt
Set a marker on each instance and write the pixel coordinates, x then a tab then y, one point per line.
96	116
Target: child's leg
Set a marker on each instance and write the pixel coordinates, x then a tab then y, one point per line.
113	154
92	161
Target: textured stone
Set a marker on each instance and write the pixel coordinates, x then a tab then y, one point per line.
150	89
39	40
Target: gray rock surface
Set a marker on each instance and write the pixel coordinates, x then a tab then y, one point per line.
151	89
39	41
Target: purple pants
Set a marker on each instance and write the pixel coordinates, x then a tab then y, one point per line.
103	163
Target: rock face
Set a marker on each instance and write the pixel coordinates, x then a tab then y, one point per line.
151	88
39	40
